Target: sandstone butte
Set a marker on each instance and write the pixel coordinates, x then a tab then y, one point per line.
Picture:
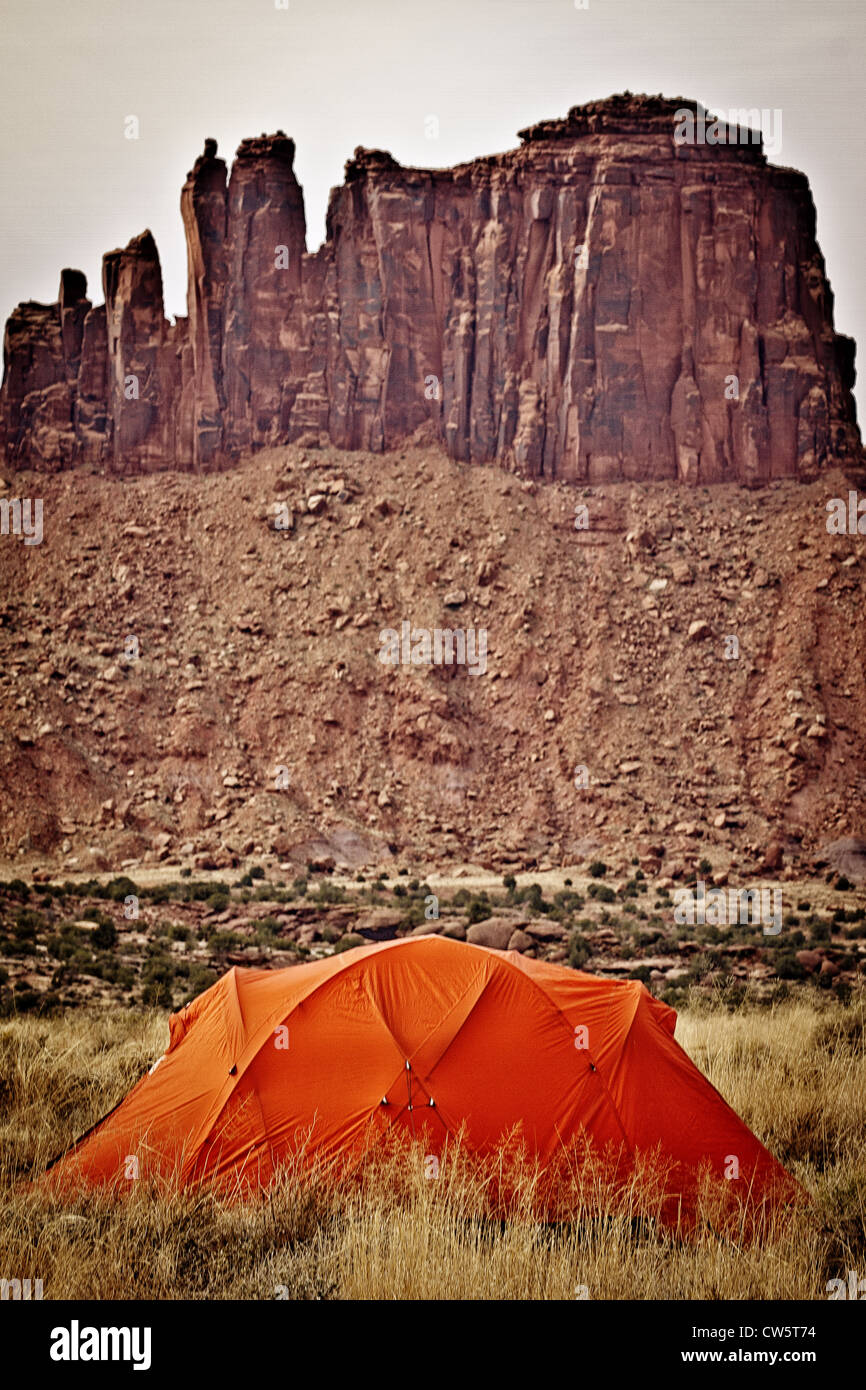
573	309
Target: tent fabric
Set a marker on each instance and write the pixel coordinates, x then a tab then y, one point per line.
427	1035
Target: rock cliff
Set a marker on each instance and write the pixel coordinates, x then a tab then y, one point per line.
601	303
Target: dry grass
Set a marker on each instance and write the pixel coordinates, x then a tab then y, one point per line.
796	1074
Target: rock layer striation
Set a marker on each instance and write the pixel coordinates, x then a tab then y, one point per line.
601	303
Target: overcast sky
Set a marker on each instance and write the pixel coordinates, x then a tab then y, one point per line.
335	74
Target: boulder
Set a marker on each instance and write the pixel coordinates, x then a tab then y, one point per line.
847	856
520	941
545	931
495	932
810	960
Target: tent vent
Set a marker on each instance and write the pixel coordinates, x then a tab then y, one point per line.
233	1071
384	1101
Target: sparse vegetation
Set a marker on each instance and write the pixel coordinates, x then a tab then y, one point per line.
73	943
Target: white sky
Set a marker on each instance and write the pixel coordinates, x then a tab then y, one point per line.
335	74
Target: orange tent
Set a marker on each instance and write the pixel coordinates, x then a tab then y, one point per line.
424	1034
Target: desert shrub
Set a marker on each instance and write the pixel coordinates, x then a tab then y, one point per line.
195	892
786	965
602	892
157	981
348	942
120	888
161	893
331	893
27	924
104	935
226	941
578	950
16	888
597	868
19	1001
642	973
95	914
734	992
62	945
568	900
91	888
200	978
643	939
266	893
533	897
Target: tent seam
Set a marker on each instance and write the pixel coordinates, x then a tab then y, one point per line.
253	1043
525	975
